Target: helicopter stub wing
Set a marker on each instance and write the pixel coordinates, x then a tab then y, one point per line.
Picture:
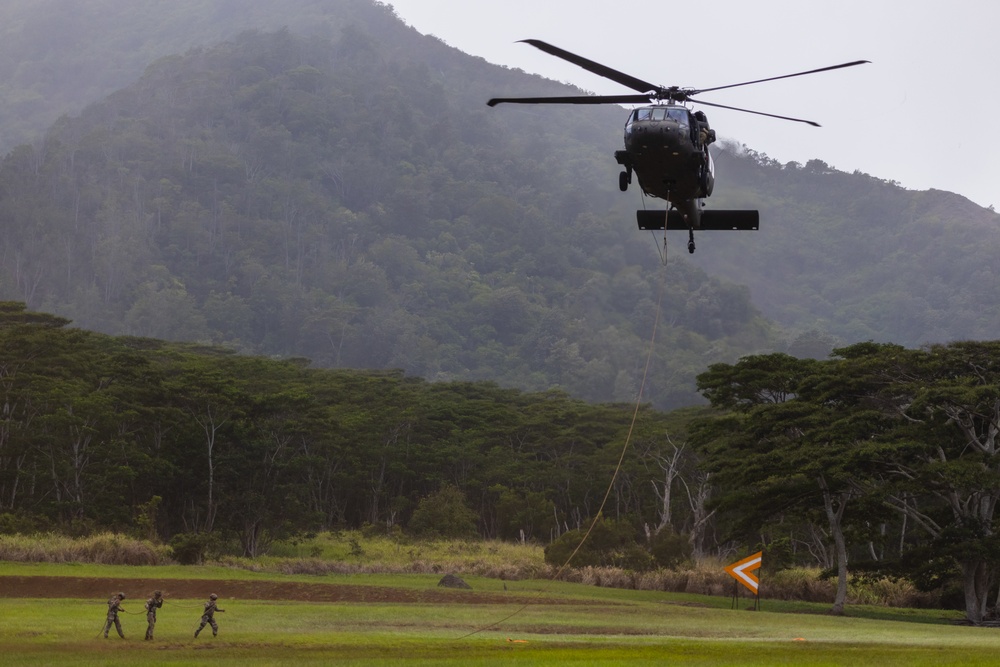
736	220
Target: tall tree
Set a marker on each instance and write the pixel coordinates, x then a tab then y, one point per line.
788	447
942	462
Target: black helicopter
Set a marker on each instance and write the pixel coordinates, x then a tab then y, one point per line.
666	145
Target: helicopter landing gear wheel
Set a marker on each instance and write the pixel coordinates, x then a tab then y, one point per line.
623	181
691	241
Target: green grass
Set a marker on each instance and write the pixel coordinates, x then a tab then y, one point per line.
351	544
354	552
362	552
606	627
65	632
532	587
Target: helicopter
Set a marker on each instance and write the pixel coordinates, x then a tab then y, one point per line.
666	145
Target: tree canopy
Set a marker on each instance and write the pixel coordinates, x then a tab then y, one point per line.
114	432
896	447
337	190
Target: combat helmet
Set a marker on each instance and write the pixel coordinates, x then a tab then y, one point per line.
157	594
213	596
121	595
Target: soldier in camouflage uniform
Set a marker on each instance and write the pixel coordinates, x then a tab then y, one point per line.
114	606
208	618
152	604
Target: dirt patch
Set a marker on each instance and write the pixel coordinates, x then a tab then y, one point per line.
140	589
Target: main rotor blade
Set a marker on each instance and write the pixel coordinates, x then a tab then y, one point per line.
759	113
576	99
785	76
597	68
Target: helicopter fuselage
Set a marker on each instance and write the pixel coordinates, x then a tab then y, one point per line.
666	147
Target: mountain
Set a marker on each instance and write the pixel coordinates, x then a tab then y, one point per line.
56	57
351	199
337	189
857	257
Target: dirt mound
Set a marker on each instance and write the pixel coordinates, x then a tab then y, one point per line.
140	589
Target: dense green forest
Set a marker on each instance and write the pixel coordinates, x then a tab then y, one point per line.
315	283
889	457
881	460
123	432
856	257
338	191
58	57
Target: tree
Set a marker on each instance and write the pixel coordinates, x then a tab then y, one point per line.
788	447
940	466
28	342
261	488
607	544
211	399
444	514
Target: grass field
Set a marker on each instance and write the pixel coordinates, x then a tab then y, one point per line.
532	623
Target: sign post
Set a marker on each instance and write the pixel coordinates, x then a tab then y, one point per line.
743	572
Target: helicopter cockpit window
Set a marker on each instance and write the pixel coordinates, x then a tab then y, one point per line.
677	114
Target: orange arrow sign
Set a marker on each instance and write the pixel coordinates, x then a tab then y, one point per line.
742	571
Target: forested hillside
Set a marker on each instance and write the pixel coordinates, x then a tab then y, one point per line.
893	451
858	257
103	432
339	191
881	459
57	57
333	200
273	240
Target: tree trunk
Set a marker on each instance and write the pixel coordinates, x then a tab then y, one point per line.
670	465
699	515
835	515
976	579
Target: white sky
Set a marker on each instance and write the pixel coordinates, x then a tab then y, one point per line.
925	113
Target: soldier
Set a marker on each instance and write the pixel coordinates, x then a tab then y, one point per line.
152	604
209	616
114	606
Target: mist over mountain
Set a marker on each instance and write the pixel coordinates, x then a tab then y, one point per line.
856	256
331	199
56	57
337	189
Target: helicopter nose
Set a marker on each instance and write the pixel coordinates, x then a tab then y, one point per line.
668	135
656	136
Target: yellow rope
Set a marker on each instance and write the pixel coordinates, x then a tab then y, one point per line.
618	467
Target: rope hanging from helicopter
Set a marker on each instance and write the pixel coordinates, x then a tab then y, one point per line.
661	250
645	93
618	465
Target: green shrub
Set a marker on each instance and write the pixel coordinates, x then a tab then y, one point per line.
669	549
21	524
190	548
778	555
101	548
444	514
610	544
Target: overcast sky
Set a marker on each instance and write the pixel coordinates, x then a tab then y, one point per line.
925	113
